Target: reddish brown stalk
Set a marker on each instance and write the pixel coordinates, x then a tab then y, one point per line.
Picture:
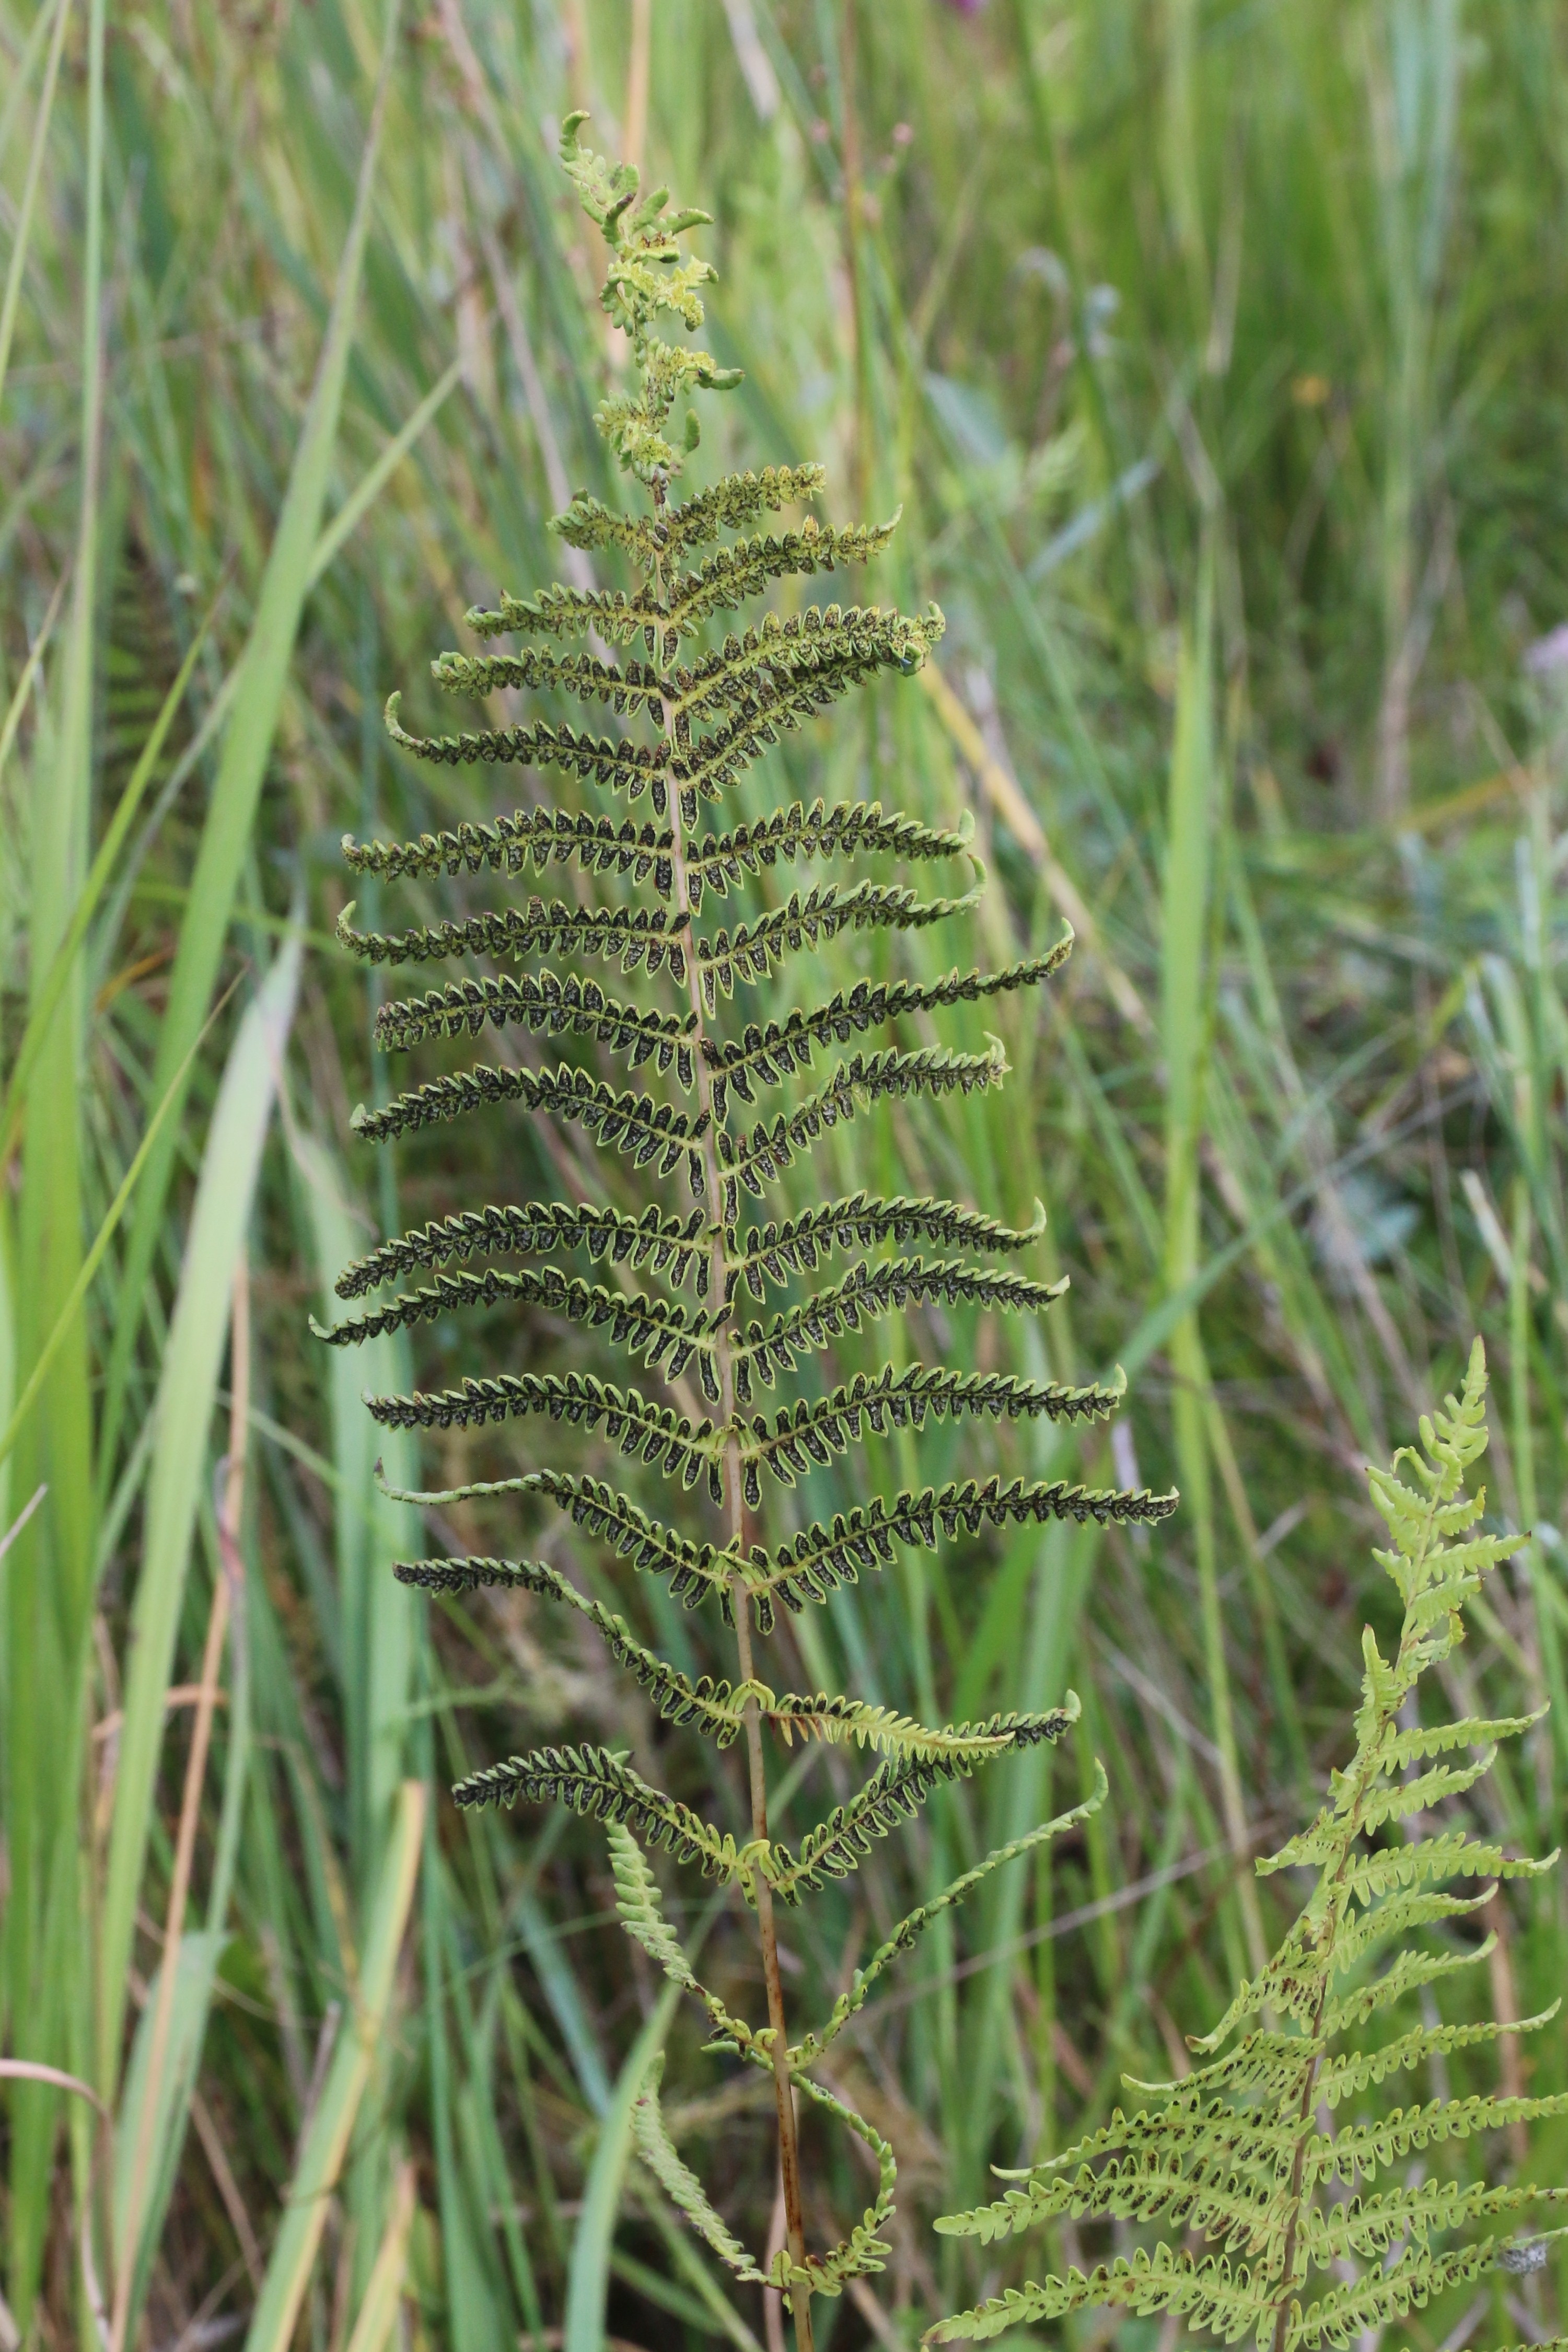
735	1510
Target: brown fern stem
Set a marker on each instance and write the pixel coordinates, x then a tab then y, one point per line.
735	1510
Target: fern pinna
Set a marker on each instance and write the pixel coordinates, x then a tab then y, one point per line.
706	1116
1244	2152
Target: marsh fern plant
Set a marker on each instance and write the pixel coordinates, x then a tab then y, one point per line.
724	1102
1269	2153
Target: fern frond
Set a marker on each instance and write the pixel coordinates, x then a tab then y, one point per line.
841	1720
561	611
895	1793
591	1782
653	1549
816	1428
832	645
1454	1855
792	679
1362	2148
1370	1930
732	575
767	1057
640	1907
775	1251
634	685
1208	2295
694	1569
862	2251
651	1134
663	1334
711	1707
738	499
1407	1974
528	837
653	1434
866	1292
1235	2214
802	924
676	1247
810	1566
1235	2151
773	1144
1435	1739
680	2183
1260	2060
542	926
911	1929
547	1003
1344	2076
613	761
712	713
1368	2226
850	829
1347	2312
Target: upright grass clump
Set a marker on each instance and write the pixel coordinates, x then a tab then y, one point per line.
711	717
1242	2152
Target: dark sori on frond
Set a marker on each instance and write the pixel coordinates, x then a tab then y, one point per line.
1245	2151
698	1109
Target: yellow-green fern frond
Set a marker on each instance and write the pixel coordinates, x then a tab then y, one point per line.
1240	2153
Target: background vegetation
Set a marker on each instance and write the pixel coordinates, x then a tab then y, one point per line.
1215	351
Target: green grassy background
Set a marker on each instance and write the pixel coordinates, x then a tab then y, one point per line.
1216	355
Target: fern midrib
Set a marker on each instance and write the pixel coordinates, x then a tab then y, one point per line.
757	1772
1366	1770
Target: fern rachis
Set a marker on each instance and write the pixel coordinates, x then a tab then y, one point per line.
1241	2150
728	1102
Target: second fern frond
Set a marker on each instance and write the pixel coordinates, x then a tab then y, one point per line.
1244	2153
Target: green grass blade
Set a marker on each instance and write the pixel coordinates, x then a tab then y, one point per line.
186	1392
51	1575
42	1012
327	2142
64	1322
378	1614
